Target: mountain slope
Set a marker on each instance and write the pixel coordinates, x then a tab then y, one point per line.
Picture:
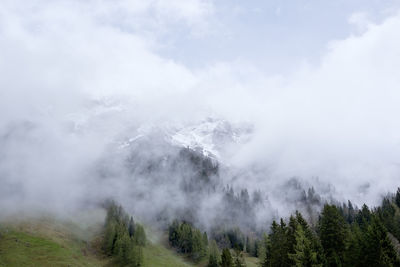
26	245
49	242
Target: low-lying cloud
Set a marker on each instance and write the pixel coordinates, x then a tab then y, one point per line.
77	77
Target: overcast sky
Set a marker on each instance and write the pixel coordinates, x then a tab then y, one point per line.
275	35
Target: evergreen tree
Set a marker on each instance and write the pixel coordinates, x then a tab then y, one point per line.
205	239
173	235
185	238
291	236
332	234
131	227
213	260
136	258
378	249
118	241
226	258
353	254
110	235
198	248
123	248
140	235
265	251
387	215
239	259
188	240
279	245
363	217
351	212
397	197
316	242
304	255
251	246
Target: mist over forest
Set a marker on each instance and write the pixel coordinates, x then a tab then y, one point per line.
214	114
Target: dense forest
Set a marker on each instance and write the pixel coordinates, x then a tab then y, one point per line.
322	232
344	235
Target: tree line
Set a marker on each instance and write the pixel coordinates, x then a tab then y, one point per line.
364	240
343	236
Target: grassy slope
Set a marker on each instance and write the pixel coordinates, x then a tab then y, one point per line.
45	243
252	262
157	255
158	252
48	242
22	249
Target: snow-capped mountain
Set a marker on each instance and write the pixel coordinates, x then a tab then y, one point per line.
211	137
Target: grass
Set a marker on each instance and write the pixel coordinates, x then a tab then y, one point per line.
158	252
49	242
252	261
24	249
157	255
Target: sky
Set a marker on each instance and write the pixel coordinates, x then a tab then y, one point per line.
317	79
276	36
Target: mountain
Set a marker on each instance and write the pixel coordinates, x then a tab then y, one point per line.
211	137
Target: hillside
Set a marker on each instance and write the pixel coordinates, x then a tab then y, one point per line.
47	242
51	242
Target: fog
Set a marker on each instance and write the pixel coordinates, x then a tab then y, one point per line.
78	79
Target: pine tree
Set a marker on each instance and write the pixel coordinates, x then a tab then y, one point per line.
213	260
123	247
198	249
226	258
378	249
131	227
316	242
363	217
279	245
136	257
291	236
265	252
304	255
332	234
251	247
140	235
173	235
351	212
397	197
185	238
239	259
387	215
353	254
205	239
122	239
110	235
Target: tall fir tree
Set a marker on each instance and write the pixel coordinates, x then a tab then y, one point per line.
397	197
378	249
333	232
131	227
304	255
213	259
265	252
226	258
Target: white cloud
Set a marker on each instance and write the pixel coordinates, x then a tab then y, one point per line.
360	20
337	120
